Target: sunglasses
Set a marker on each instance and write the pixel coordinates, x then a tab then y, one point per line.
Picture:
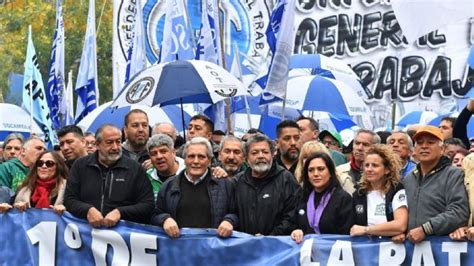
48	163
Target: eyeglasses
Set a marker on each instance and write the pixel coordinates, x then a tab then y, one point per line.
328	142
48	163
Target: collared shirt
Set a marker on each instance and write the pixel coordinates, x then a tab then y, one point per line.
198	180
409	166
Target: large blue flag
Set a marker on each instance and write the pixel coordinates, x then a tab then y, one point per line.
177	39
136	49
55	89
86	84
34	99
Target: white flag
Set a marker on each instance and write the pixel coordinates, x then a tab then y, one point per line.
420	17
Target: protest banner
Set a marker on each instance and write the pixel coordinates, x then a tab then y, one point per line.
41	237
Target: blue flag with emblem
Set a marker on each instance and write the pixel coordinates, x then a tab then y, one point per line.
34	99
86	84
55	89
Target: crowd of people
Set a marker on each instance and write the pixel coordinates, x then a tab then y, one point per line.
406	185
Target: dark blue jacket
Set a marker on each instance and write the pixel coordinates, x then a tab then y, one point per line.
221	195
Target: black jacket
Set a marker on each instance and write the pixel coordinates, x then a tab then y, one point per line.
359	201
292	169
336	218
221	195
266	206
460	127
124	186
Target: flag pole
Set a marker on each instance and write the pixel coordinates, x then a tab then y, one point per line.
31	95
227	100
239	68
394	109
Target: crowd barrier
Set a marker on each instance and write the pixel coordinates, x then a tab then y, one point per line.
40	237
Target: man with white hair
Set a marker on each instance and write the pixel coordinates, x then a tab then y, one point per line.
266	193
402	145
350	173
165	128
194	198
436	195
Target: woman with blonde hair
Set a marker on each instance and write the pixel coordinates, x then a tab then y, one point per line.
44	185
379	202
308	148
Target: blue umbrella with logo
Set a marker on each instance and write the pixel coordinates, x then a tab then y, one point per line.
180	82
106	114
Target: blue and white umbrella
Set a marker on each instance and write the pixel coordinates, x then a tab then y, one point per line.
415	118
106	114
267	118
316	93
330	68
180	82
15	119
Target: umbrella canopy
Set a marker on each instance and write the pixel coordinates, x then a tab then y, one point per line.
316	93
190	81
267	118
106	114
15	119
416	117
330	68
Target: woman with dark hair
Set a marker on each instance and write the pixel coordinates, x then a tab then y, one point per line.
44	185
379	202
325	207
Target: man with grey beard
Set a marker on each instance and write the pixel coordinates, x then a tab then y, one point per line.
289	144
105	186
266	193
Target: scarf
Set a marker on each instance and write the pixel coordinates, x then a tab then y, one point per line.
43	188
314	214
354	165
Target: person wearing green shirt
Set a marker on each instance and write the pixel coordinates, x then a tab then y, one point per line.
14	171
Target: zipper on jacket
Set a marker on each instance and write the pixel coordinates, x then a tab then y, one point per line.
111	183
104	186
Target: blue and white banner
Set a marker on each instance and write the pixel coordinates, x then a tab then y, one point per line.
86	84
34	97
56	81
41	237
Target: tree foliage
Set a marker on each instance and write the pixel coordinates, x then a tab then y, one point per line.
17	15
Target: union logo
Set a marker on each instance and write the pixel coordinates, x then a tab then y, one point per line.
140	90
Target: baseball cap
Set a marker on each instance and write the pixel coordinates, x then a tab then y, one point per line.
430	130
333	134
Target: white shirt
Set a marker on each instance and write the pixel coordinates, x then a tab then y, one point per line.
376	205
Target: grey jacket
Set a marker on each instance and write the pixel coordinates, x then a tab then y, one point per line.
438	202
